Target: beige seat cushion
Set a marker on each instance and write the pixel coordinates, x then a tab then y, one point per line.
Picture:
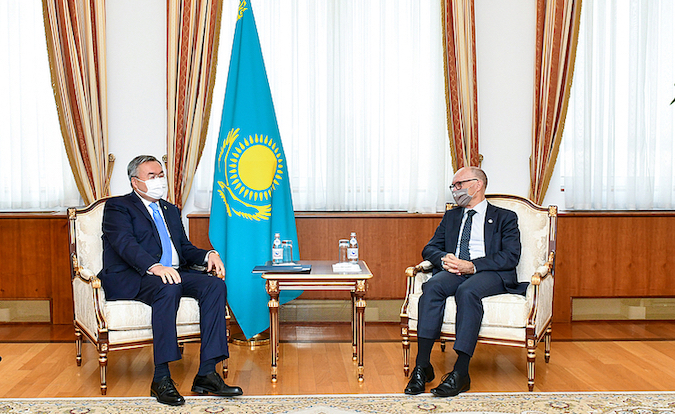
124	315
506	310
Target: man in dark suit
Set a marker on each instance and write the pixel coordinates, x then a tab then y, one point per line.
147	257
474	251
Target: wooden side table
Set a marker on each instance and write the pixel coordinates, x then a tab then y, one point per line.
320	278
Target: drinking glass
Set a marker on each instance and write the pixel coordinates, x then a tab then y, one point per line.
343	245
287	248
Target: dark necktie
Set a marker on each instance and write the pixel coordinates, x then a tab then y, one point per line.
466	236
163	235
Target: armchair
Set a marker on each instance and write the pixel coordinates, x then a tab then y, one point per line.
509	319
119	324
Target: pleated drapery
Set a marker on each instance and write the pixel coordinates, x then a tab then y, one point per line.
193	29
556	43
75	31
461	86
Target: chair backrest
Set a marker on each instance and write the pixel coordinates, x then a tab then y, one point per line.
86	244
538	230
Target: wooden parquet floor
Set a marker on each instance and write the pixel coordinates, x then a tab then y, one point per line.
39	361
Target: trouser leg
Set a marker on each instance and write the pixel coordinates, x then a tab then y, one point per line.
431	308
211	293
469	297
164	300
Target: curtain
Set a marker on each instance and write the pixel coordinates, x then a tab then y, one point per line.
359	98
556	42
34	170
461	86
76	45
618	140
192	48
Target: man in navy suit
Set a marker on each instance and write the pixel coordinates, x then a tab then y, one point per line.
474	251
147	257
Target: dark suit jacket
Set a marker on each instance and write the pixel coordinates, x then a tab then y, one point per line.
131	244
502	244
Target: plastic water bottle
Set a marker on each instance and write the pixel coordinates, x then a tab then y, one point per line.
277	250
353	249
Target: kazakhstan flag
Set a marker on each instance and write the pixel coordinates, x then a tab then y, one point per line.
251	193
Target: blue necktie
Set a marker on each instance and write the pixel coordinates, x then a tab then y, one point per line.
466	236
163	235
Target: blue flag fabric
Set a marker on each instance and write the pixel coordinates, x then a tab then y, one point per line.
251	193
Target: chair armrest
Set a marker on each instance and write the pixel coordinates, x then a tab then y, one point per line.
85	274
88	276
544	270
424	266
212	272
411	274
542	296
89	301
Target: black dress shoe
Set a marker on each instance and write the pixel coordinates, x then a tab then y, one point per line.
165	391
214	384
418	378
452	384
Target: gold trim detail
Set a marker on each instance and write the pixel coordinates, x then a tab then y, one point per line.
360	285
272	286
260	339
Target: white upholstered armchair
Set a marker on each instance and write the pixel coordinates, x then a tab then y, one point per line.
111	325
509	319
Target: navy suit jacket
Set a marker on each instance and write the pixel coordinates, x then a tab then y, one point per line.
502	244
131	244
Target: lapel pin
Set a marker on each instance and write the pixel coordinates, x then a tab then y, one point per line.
490	221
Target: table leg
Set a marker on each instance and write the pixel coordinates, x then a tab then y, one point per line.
272	287
355	330
361	324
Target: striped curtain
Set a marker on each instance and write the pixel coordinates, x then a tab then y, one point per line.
461	87
193	29
75	31
557	34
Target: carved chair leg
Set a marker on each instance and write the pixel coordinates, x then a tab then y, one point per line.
225	367
406	355
530	367
78	346
103	363
547	344
181	347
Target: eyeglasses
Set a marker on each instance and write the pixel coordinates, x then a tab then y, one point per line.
150	176
459	184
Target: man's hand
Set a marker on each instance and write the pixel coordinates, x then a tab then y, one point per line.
168	274
457	266
214	263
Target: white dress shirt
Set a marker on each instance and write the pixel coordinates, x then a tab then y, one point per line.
477	240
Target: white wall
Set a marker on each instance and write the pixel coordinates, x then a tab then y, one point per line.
136	63
505	37
505	49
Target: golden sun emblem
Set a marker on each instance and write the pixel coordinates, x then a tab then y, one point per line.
253	167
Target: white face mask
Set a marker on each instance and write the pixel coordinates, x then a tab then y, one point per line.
157	187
